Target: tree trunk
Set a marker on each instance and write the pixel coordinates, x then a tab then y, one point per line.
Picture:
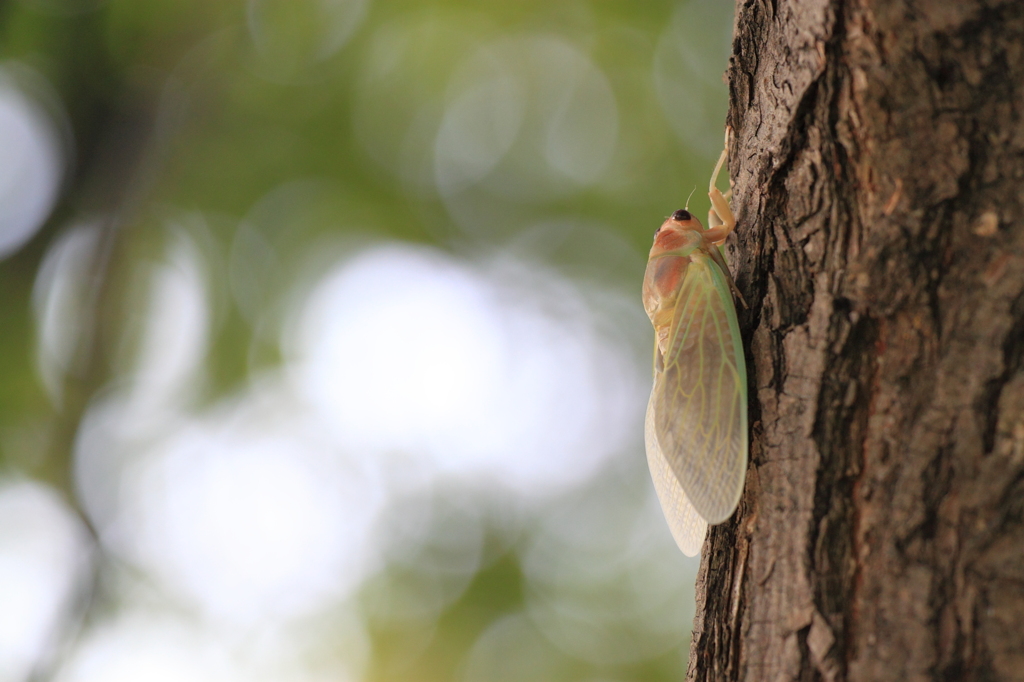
878	161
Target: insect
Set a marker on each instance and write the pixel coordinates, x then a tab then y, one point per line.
696	425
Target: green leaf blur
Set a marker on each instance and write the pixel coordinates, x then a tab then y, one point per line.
367	122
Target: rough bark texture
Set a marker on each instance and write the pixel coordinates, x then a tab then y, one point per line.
879	187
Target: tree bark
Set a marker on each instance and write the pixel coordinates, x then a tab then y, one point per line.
878	166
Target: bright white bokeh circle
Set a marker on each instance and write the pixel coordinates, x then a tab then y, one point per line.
44	560
492	371
401	350
148	648
32	162
249	516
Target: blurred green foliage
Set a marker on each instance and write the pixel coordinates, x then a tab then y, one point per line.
184	108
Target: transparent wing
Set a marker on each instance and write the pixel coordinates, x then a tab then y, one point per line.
687	526
700	399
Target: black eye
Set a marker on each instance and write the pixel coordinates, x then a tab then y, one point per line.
681	214
657	231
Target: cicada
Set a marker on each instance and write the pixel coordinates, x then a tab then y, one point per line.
696	425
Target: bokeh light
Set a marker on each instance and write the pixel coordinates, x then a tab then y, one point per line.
291	37
60	302
323	355
599	602
511	650
250	524
401	90
689	86
32	164
44	568
408	350
141	647
529	119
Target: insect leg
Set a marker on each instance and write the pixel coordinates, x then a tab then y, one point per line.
721	221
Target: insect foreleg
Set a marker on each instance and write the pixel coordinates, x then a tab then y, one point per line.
721	220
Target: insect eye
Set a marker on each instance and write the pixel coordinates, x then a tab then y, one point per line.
681	214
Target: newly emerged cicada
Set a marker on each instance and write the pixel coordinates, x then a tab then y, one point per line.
696	425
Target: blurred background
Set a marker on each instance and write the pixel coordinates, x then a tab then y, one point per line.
321	348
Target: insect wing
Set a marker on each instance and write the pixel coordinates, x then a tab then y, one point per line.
687	526
700	399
